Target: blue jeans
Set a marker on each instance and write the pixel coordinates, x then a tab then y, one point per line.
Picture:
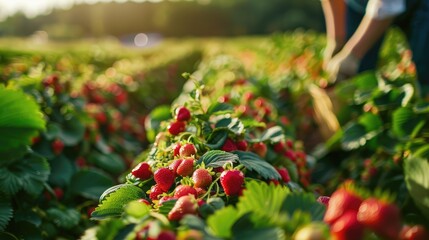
414	22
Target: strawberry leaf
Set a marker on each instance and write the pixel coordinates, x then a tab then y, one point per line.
166	207
234	125
90	183
264	202
20	119
255	163
217	158
417	181
67	218
220	108
303	202
221	222
406	123
273	134
217	138
113	205
244	229
6	212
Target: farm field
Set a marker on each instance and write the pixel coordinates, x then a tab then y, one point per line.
208	138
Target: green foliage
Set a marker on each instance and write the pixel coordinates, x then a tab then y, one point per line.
217	158
417	179
20	119
6	212
64	218
255	163
90	183
113	204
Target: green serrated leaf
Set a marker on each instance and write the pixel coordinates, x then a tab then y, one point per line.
370	121
109	162
166	207
304	202
217	138
405	122
255	163
67	218
417	180
421	107
422	152
244	229
6	212
137	209
217	158
220	108
220	223
273	134
264	202
72	131
20	119
62	171
354	136
109	229
113	204
232	124
90	183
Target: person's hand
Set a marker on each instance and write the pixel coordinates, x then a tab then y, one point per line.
331	49
342	66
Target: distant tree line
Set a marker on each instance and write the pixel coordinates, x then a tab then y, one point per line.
172	18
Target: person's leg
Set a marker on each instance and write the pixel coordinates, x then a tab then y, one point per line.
369	61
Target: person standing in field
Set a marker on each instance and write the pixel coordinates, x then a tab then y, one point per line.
356	28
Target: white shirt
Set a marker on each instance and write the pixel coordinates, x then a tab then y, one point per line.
382	9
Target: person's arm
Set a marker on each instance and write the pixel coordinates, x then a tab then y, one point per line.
334	12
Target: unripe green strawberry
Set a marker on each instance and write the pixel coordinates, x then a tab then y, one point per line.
186	167
347	227
176	127
183	114
184	205
142	171
232	181
187	150
202	178
341	201
229	145
183	190
381	217
164	178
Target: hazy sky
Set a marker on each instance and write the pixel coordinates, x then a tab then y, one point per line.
34	7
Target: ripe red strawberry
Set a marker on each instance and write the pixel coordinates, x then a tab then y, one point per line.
260	148
57	146
183	114
176	127
324	200
166	235
242	145
284	174
232	181
280	147
186	167
183	190
341	201
59	193
155	191
164	178
347	227
101	117
187	150
290	154
184	205
175	164
417	232
229	145
381	217
142	171
176	151
202	178
166	198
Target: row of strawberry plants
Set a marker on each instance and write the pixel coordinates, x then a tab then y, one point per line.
91	132
225	166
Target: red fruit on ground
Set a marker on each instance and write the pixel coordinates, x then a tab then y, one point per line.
57	146
284	174
341	201
232	181
164	178
183	190
183	114
176	127
260	148
242	145
202	178
347	227
229	145
381	217
184	205
155	191
186	167
187	150
142	171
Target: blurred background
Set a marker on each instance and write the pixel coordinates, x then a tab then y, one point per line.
141	22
